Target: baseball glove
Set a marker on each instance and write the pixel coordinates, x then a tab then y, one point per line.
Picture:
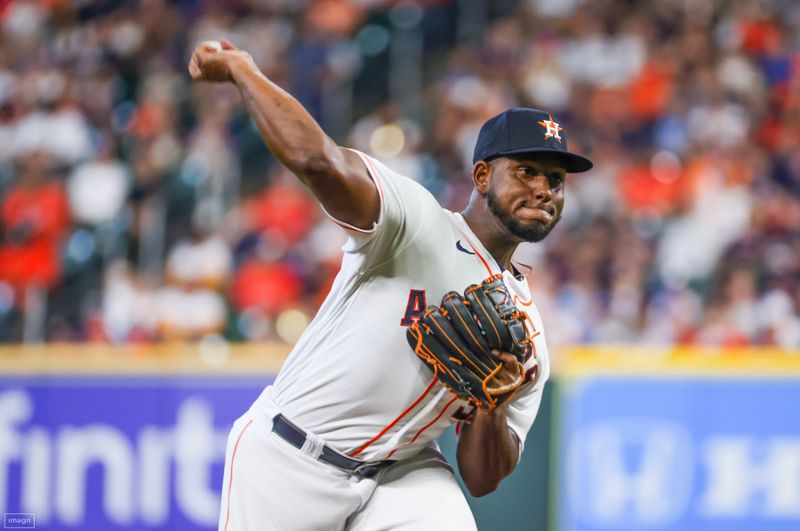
463	339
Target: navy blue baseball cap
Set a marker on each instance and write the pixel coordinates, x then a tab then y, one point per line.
520	130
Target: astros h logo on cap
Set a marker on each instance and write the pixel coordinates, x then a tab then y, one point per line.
552	128
519	130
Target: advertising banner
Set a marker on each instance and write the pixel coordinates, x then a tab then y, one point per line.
116	452
679	453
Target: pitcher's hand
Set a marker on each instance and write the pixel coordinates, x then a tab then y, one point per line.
214	61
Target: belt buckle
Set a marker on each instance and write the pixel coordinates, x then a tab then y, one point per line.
367	469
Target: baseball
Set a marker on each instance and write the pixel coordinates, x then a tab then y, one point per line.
212	45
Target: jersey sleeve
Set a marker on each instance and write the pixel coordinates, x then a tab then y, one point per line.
404	206
524	406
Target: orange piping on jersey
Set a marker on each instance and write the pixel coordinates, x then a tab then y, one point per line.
230	480
522	302
350	227
377	177
395	421
517	299
425	427
479	255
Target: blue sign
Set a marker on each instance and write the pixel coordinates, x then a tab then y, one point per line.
117	453
679	454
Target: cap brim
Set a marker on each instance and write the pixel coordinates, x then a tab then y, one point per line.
573	163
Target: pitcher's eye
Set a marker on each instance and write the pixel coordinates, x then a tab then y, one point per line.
556	179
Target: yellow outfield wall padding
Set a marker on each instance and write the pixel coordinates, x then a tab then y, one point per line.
677	361
168	358
267	358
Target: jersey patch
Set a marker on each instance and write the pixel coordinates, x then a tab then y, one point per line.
415	307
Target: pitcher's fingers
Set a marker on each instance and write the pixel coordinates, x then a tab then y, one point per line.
194	68
506	357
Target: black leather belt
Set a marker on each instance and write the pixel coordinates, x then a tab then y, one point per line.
297	437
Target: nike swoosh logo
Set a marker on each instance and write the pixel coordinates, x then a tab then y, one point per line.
462	249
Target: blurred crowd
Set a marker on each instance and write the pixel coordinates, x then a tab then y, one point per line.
136	206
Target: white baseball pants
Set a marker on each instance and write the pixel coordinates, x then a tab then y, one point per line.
271	485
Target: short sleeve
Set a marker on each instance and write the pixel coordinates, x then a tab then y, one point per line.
404	206
524	407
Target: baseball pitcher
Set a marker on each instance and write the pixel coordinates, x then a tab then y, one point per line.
428	324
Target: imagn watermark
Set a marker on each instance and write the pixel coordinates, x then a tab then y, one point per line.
19	520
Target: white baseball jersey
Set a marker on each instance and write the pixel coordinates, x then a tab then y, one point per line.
352	378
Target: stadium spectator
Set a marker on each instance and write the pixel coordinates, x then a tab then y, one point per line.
691	111
34	218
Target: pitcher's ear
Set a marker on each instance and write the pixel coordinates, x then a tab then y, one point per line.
481	175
